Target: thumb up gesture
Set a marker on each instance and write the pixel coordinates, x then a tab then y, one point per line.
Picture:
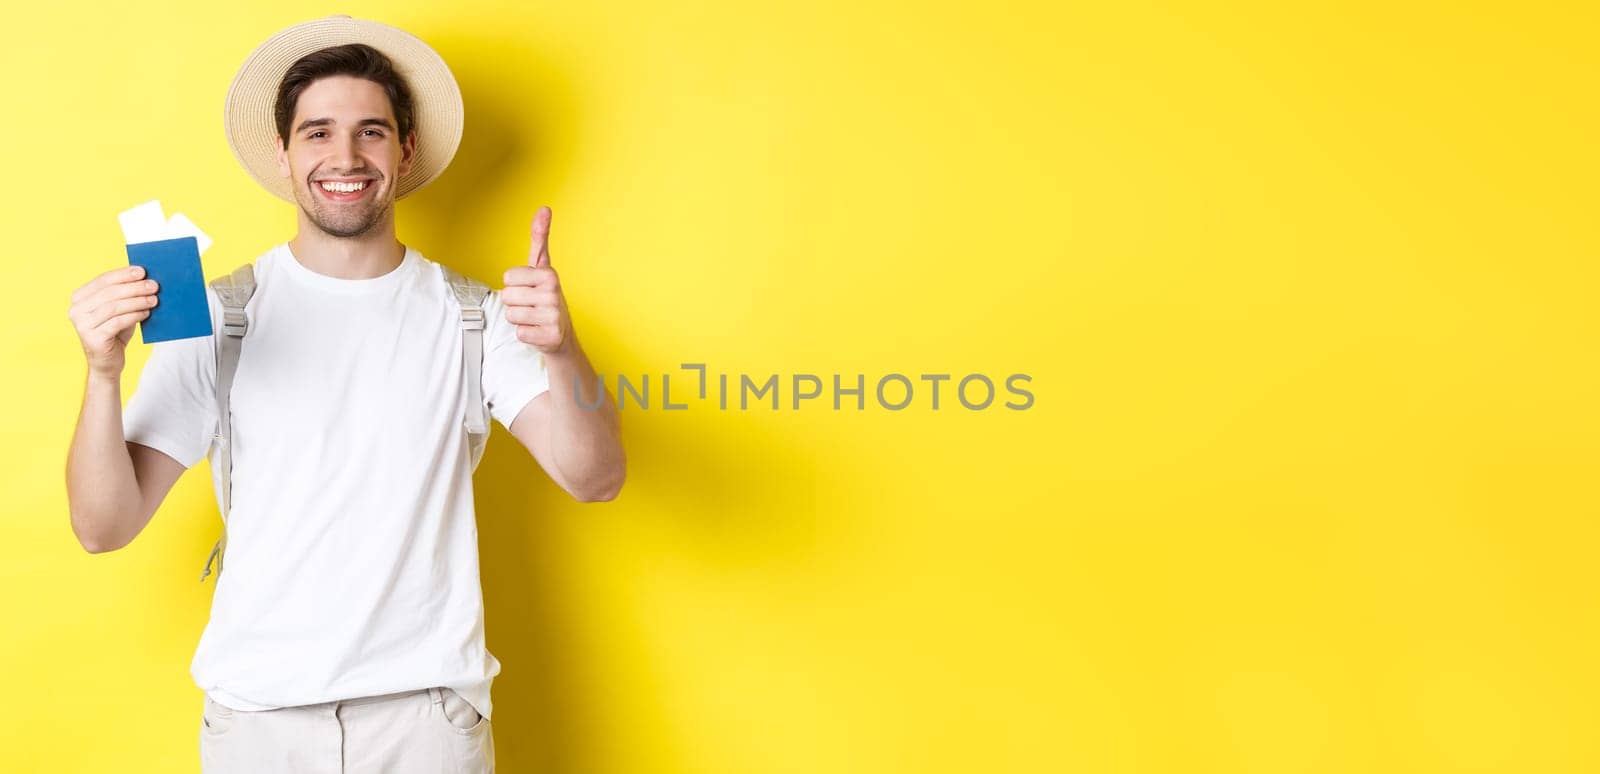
532	295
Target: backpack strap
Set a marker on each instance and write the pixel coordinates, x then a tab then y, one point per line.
470	294
234	290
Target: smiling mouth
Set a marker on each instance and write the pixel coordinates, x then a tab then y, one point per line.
343	191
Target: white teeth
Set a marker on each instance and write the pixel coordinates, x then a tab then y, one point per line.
344	187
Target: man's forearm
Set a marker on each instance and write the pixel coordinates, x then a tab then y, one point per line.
101	484
585	432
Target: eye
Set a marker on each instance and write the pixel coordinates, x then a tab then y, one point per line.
314	134
375	132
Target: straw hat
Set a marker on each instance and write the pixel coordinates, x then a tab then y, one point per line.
252	130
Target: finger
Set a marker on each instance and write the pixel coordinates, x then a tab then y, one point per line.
123	274
539	249
121	322
114	293
97	316
120	290
533	315
541	336
518	295
531	276
85	308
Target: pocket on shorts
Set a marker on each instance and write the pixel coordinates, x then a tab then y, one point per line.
460	715
216	718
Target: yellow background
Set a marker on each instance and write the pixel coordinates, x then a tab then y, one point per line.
1306	292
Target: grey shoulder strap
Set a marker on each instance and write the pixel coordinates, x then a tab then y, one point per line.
234	290
470	294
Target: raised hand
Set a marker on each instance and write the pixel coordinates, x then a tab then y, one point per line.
532	295
104	311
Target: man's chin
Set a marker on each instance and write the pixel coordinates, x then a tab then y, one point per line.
344	230
344	227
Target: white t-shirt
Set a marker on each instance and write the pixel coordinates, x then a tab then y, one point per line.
352	558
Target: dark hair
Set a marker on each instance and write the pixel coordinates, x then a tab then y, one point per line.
355	59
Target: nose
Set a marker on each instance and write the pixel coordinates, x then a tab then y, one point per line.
344	155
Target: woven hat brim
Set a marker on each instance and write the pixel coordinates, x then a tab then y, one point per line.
436	99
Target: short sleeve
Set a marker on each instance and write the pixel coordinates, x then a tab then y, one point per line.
513	371
173	408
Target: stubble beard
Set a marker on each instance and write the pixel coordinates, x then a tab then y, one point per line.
343	221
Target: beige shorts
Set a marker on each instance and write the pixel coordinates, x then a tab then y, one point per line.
427	731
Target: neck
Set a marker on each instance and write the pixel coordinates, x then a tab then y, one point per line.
369	255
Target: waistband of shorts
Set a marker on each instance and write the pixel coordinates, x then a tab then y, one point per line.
434	694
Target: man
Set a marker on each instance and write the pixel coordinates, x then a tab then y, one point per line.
347	632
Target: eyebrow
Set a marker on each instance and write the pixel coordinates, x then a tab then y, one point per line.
310	122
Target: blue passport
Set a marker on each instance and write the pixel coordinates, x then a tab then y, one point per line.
181	310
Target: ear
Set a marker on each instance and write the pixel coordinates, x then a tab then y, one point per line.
283	159
408	154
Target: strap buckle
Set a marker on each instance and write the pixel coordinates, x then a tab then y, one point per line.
234	323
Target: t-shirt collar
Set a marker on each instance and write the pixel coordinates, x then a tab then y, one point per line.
293	267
